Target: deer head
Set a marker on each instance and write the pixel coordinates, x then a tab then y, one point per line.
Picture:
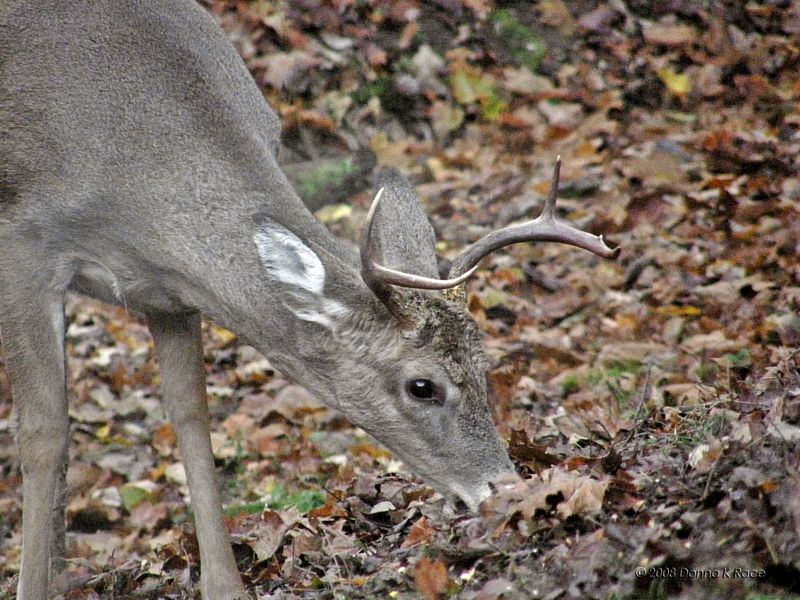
402	358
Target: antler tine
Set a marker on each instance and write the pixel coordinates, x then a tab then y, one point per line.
375	274
544	228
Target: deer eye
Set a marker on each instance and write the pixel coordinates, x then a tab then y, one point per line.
424	389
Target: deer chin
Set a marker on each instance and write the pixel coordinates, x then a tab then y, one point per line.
471	498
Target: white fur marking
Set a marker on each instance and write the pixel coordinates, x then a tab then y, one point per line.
312	316
335	309
288	259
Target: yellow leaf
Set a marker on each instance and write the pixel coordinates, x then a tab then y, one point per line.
436	168
445	118
369	450
102	432
678	84
223	335
334	212
389	153
556	13
158	472
679	311
466	84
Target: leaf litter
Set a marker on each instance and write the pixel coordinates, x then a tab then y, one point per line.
652	404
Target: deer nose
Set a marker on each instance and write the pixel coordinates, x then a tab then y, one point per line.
472	497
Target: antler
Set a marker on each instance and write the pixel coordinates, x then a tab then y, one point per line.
373	273
544	228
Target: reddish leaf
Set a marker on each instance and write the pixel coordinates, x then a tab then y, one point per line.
430	577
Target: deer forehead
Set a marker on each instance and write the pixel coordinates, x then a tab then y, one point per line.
450	334
447	325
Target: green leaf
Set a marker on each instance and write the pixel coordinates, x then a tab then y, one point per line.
304	500
520	41
469	86
248	509
132	495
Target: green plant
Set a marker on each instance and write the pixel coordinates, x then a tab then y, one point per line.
522	43
570	385
741	358
235	463
470	85
304	500
614	371
250	508
328	174
706	372
619	368
404	63
381	88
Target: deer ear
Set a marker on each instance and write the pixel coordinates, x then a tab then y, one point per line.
289	261
402	236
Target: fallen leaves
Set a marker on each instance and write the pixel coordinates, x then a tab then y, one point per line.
652	404
431	578
419	533
554	489
704	457
671	35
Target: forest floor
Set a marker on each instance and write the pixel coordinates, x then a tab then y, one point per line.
652	402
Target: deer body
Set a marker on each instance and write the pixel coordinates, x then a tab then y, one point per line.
138	166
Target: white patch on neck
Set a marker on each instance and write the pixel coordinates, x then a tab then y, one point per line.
288	260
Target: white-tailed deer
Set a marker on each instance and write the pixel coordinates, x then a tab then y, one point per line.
137	165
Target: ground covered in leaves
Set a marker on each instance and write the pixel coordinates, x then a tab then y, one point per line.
653	403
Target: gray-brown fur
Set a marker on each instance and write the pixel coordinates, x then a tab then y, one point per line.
137	165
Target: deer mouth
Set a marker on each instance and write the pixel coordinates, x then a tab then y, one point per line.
463	499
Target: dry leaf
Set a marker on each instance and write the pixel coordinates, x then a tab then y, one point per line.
419	533
283	67
430	577
703	457
164	439
670	35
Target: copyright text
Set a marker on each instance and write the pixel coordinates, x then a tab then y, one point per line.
687	573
